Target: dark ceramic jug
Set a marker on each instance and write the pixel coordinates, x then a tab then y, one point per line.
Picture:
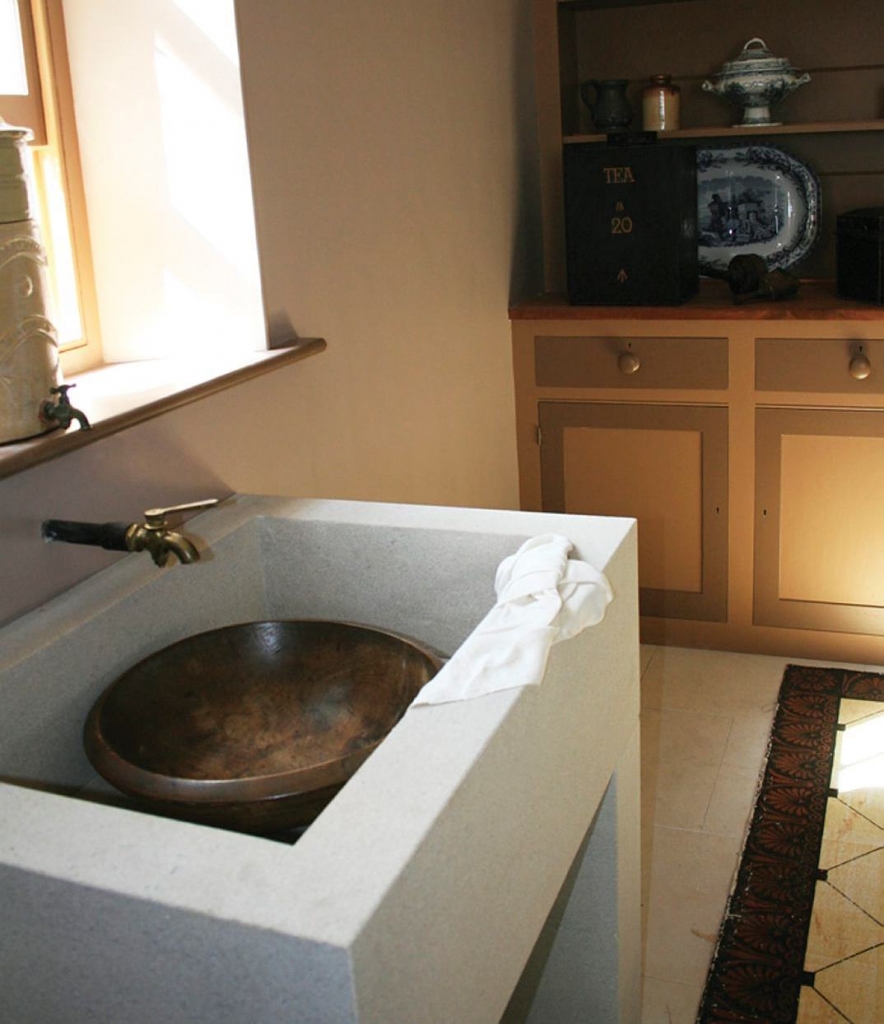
611	110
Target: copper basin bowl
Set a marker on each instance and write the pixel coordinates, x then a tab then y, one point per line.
255	726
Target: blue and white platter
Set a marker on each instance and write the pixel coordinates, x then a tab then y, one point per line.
758	200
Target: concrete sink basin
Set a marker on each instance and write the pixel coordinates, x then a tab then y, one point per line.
514	815
254	726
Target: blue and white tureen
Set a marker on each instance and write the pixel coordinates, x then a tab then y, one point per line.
756	80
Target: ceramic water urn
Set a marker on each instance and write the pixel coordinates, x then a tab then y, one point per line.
28	341
756	80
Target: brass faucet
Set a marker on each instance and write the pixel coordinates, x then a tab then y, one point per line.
62	412
154	535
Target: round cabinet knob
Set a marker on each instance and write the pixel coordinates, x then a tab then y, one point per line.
628	362
860	367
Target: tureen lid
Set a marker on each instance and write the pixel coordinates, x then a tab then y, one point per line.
755	56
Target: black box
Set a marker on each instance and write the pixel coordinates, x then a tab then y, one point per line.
859	237
631	223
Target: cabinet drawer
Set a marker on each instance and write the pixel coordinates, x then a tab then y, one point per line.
819	364
611	362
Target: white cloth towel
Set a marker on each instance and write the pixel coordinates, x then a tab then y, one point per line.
543	596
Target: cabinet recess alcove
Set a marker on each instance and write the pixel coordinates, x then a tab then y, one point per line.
748	440
835	123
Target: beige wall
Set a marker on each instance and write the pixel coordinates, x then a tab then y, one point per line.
392	146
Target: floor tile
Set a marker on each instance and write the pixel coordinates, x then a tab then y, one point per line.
733	798
669	1002
856	987
862	773
688	736
856	710
813	1009
650	737
651	686
646	653
838	928
681	937
682	794
691	876
860	749
862	881
836	761
868	802
688	864
719	682
748	739
847	834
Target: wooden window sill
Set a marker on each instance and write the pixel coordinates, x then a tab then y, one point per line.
120	395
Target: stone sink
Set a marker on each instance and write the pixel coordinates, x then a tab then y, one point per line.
481	865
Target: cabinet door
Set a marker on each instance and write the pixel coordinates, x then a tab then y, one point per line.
819	534
664	465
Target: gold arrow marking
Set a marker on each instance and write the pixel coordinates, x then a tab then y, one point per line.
621	277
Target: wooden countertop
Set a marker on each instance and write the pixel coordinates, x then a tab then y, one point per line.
816	300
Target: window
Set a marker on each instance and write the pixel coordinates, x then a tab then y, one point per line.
35	91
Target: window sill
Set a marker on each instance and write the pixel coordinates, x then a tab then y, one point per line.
119	395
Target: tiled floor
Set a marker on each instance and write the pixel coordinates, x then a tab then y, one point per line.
845	947
706	718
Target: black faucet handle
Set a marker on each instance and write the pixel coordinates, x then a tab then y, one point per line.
110	536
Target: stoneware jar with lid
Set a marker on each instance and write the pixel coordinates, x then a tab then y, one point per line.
661	105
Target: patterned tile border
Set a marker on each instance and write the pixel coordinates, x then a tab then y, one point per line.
758	967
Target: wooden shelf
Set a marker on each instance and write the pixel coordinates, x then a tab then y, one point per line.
121	395
816	300
598	5
815	128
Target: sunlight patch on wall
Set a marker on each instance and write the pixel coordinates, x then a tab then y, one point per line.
205	154
216	22
168	181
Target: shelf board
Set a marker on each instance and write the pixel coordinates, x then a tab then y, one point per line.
810	128
598	5
816	300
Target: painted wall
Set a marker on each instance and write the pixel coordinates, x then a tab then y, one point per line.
392	150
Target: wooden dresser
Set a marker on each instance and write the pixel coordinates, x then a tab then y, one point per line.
748	441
